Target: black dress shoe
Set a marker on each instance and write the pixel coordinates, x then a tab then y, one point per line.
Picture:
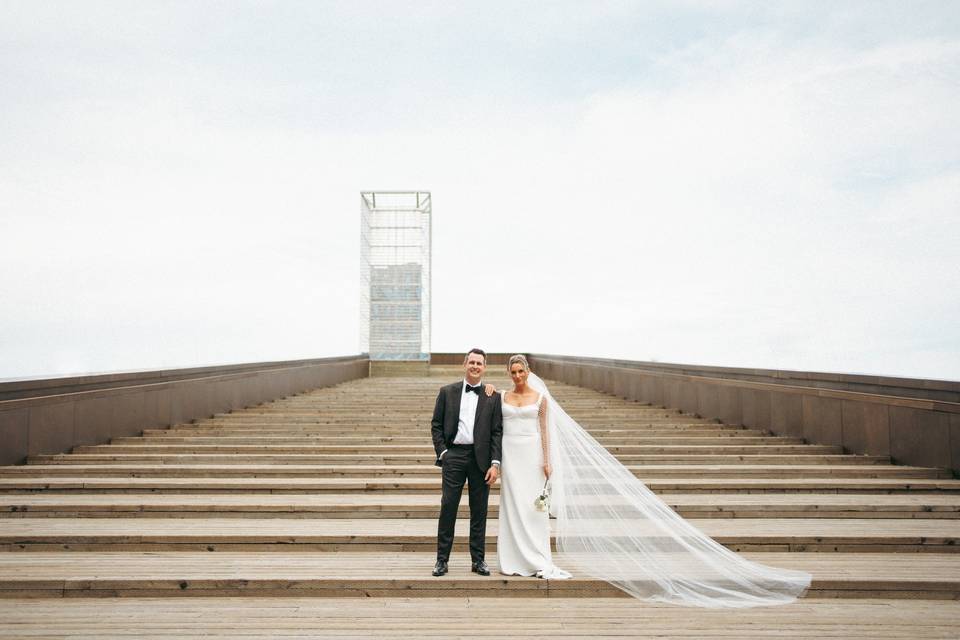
481	568
440	568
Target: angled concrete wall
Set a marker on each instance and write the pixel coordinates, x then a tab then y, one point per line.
55	415
897	418
945	390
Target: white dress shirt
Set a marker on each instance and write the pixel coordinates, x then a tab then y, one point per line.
468	413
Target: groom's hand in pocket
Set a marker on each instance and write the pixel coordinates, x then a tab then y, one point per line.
492	474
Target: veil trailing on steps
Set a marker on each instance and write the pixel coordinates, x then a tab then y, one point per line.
610	526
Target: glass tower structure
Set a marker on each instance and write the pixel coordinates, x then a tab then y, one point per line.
395	238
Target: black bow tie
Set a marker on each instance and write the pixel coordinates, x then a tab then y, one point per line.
475	389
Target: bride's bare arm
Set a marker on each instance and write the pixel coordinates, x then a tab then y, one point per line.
545	437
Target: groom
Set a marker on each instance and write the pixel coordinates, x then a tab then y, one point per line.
467	427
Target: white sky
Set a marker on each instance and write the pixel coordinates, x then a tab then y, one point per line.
735	183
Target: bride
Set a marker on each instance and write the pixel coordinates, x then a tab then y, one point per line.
609	525
523	543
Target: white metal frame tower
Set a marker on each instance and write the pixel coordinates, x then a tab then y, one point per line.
395	274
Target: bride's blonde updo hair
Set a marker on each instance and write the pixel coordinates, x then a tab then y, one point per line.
519	358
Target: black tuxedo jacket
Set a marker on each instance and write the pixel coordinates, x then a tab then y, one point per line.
487	427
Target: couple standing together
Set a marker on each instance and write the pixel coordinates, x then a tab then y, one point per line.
608	525
480	436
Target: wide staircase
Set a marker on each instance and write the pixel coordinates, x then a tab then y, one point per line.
334	493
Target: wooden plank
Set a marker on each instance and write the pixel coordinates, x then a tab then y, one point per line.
271	534
382	505
432	485
464	617
651	472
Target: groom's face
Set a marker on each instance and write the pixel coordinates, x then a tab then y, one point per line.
474	366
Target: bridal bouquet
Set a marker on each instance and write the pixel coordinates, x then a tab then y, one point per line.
542	503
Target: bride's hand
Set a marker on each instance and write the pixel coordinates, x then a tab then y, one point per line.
490	389
547	470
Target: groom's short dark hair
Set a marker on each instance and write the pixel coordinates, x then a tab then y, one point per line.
479	351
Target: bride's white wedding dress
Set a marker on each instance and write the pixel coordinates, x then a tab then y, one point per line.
523	543
610	526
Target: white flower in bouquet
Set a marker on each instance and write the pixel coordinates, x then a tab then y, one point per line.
542	503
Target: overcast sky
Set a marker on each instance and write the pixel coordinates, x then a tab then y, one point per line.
755	184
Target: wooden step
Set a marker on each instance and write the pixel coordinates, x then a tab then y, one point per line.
92	574
380	450
421	428
315	446
402	535
350	436
413	458
426	506
412	426
419	440
387	618
432	485
429	470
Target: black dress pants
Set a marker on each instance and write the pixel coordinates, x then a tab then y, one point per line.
459	466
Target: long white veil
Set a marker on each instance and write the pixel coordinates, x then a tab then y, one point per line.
612	527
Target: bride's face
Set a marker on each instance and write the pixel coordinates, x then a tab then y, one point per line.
518	374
